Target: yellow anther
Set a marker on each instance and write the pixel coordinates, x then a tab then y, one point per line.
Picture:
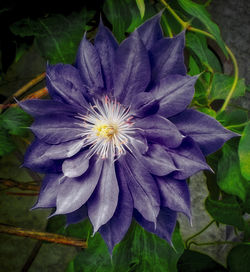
104	130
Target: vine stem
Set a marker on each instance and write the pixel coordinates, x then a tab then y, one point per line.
217	243
187	26
198	233
43	236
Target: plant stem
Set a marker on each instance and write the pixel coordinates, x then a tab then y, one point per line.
30	186
27	86
217	243
43	236
187	26
239	125
176	16
198	233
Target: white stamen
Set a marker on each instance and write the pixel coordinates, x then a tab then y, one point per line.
107	128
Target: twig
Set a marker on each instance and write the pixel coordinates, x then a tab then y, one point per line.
43	236
20	185
27	86
32	256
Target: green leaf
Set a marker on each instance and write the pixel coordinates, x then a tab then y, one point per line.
194	68
234	120
208	111
16	121
119	15
141	7
57	224
56	36
93	259
244	152
6	144
226	211
238	259
228	175
199	12
222	84
198	46
144	251
192	261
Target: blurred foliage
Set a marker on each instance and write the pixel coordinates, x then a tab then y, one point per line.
55	32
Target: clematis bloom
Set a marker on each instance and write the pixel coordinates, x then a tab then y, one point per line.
116	140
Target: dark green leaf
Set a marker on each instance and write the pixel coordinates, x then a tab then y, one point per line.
119	15
194	68
141	7
226	211
57	224
6	144
198	45
93	259
233	120
57	36
222	84
16	121
228	175
143	251
244	152
238	259
192	261
199	12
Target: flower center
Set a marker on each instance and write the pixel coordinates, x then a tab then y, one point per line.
107	128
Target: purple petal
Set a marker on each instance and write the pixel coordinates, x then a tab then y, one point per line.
36	159
175	92
113	231
188	158
132	69
39	107
88	63
144	104
165	225
65	85
77	165
74	192
167	57
139	141
158	161
174	194
56	128
103	203
77	216
48	191
160	130
142	186
106	45
205	130
150	32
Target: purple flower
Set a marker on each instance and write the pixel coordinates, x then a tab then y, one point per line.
116	140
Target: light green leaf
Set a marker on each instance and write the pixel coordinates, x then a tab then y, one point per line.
194	68
57	36
244	152
141	7
222	84
16	121
226	211
238	259
228	175
143	251
199	12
